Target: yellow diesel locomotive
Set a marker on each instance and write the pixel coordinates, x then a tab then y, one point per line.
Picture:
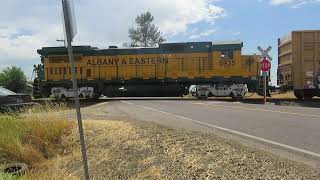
167	70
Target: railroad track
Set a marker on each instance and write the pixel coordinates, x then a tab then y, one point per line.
277	101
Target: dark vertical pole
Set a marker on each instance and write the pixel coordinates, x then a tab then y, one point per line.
75	89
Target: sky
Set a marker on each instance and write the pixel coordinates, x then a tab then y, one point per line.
26	26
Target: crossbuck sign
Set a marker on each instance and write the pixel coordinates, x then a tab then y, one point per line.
264	53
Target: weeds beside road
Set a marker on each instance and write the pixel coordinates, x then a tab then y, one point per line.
141	150
32	136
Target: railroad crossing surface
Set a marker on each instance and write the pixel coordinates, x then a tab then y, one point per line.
292	129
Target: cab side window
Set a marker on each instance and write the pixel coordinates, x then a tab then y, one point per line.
227	54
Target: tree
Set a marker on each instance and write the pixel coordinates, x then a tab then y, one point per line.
146	34
13	78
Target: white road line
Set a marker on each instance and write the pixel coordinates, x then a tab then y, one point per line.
233	132
199	103
256	109
127	102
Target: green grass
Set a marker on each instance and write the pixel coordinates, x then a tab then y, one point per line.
4	176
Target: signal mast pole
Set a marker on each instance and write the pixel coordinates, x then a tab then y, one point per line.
265	66
70	33
264	87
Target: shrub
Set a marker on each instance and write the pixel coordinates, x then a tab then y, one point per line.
13	78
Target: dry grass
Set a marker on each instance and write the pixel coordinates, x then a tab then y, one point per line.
32	136
123	150
287	95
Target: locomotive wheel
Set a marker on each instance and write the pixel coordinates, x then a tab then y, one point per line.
299	94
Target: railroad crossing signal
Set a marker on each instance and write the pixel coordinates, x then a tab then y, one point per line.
265	66
264	52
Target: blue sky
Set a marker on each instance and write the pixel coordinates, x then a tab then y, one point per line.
28	25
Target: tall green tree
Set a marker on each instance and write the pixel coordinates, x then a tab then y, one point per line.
146	34
13	78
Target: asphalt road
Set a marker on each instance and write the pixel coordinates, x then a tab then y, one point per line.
295	129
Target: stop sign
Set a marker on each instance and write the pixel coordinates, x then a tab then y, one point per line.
265	65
